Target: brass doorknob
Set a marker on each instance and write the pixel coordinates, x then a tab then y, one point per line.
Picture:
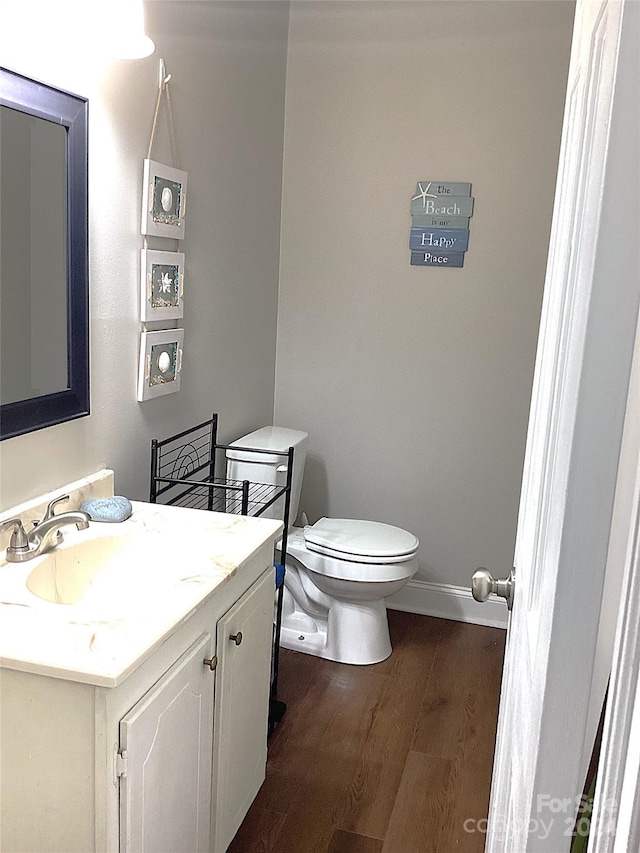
237	638
212	663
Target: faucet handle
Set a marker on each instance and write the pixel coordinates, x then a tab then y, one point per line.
19	540
49	513
52	504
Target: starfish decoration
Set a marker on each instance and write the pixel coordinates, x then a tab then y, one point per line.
165	283
424	194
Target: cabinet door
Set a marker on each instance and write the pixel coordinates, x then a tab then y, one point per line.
166	743
242	706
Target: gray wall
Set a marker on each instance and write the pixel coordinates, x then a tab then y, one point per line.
414	383
228	62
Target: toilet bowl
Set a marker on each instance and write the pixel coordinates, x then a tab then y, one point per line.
338	571
334	599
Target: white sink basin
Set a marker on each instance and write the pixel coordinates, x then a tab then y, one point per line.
101	570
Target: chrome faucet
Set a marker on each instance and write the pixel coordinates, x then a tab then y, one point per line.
45	535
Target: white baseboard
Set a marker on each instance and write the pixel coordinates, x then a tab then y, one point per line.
449	602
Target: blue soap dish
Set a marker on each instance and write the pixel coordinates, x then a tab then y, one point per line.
112	510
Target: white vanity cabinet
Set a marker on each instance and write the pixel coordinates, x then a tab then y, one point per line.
169	759
165	759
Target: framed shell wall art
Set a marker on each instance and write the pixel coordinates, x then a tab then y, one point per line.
164	200
160	363
161	285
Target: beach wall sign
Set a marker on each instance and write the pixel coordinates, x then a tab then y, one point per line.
440	213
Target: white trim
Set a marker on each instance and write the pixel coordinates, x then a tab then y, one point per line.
447	601
616	825
615	822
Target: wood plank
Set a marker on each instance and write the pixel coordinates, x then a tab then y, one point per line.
442	206
449	240
419	220
426	817
374	785
349	842
296	741
258	832
317	810
420	807
462	693
457	723
461	188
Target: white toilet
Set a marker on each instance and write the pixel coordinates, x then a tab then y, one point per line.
338	571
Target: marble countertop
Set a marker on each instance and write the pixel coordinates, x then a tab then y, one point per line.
179	558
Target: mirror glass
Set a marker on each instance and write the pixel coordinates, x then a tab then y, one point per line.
44	370
33	264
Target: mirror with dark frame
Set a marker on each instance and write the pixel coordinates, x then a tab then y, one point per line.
44	276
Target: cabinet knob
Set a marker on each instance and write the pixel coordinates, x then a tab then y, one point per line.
212	663
237	638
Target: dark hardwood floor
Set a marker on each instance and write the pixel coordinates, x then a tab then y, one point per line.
389	758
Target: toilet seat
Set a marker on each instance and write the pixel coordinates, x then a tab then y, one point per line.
359	541
343	567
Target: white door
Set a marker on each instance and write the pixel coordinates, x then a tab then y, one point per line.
165	790
581	378
244	641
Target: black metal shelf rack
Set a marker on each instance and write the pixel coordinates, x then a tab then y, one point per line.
184	473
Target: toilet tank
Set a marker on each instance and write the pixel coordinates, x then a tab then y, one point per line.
242	464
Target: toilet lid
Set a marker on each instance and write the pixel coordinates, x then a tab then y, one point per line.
360	541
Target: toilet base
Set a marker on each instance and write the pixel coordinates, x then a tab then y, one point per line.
352	633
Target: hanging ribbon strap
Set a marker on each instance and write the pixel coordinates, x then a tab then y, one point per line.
163	88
